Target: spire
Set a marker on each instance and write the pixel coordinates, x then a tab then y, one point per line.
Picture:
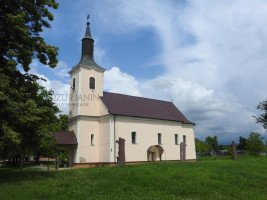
87	58
88	31
87	44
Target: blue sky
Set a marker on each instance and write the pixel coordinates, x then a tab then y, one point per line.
207	57
134	51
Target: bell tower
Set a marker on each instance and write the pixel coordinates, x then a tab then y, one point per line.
86	81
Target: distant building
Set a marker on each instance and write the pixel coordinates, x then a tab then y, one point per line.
152	129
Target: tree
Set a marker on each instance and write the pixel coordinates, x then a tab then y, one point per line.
47	147
47	143
26	107
212	143
201	146
64	122
20	40
262	119
242	145
255	144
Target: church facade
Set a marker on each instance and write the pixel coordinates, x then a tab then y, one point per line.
152	129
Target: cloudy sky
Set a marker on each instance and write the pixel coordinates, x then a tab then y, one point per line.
208	57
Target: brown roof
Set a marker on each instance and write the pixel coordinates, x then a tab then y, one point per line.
66	138
125	105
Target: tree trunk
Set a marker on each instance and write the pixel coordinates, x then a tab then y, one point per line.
37	160
48	164
56	163
21	161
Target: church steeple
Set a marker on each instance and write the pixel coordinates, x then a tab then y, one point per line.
87	58
87	43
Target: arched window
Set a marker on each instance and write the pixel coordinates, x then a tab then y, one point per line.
176	139
133	137
159	138
184	139
73	84
92	140
92	83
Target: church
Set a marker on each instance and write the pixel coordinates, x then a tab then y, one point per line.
152	130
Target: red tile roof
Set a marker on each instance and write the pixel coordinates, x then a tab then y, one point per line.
66	138
125	105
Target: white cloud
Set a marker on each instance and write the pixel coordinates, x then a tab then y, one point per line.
213	53
117	81
213	112
62	69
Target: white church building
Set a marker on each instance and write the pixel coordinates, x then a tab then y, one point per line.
152	129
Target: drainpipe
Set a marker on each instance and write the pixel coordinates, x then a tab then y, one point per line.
115	139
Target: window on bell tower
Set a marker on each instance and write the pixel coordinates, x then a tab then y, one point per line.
91	83
73	84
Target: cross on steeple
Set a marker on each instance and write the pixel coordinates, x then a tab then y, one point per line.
88	31
88	16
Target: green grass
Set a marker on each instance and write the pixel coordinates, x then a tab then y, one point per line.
206	179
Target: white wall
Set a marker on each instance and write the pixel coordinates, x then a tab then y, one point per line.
88	152
147	130
104	139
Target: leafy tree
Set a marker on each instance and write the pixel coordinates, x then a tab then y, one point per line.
20	40
255	144
47	144
212	143
224	147
262	119
26	107
201	146
242	145
64	122
47	147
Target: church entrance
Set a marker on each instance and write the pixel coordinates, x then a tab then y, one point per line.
154	153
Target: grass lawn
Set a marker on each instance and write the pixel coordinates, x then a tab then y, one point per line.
206	179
